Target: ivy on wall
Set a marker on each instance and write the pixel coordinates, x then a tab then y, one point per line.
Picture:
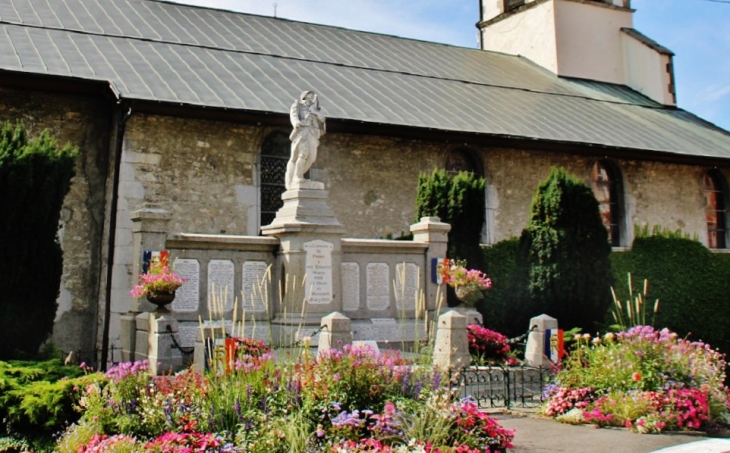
35	175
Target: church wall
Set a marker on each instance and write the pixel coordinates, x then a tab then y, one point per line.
84	122
205	173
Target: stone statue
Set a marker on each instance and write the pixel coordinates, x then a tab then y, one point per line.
309	125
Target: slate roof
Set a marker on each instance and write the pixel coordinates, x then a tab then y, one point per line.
159	51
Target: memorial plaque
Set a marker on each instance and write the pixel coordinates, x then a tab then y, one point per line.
255	286
215	328
187	297
318	268
259	331
187	333
406	286
379	329
350	273
378	286
220	280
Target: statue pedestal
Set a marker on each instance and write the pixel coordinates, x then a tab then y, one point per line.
308	262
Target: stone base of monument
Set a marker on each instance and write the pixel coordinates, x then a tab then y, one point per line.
156	330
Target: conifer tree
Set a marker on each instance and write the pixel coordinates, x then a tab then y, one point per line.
458	201
35	176
564	256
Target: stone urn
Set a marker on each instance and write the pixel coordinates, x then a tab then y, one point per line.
160	299
468	295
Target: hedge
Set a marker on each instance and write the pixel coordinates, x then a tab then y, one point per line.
691	283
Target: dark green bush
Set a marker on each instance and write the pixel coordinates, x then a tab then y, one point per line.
35	176
690	282
458	201
563	261
499	263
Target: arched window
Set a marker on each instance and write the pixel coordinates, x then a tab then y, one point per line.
274	157
462	159
606	185
715	210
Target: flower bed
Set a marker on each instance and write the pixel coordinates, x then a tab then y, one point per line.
643	379
342	401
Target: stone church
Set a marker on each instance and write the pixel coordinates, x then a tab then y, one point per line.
186	109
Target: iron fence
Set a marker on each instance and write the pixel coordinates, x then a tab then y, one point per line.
502	387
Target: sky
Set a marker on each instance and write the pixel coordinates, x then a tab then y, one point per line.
697	31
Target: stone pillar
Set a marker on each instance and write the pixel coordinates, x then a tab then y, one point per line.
471	313
432	231
451	348
155	330
336	332
535	349
150	226
308	262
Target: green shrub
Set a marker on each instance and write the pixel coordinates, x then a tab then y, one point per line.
35	176
39	398
458	201
499	263
564	256
690	282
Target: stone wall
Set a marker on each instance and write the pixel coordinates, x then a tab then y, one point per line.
84	122
205	173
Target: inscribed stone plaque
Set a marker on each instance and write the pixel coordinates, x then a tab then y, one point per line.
406	286
378	286
318	268
187	333
255	286
187	297
350	286
379	329
220	285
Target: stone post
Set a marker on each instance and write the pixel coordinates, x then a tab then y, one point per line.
336	332
149	233
432	231
535	349
150	227
451	348
155	330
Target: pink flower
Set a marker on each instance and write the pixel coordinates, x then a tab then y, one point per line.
636	377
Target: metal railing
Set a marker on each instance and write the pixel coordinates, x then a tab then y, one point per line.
502	387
